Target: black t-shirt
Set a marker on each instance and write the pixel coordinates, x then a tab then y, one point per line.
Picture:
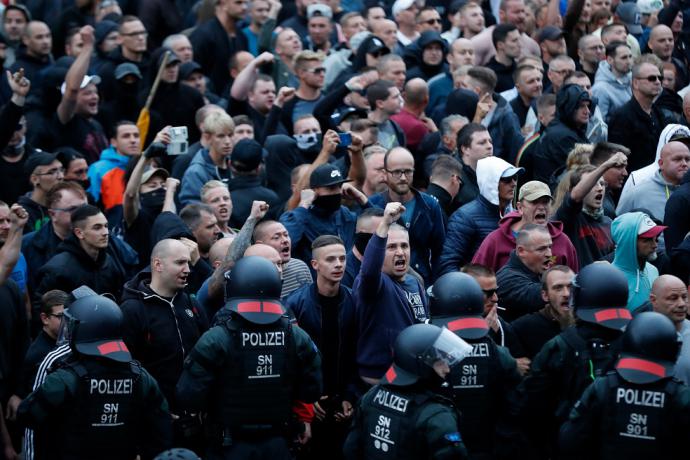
86	135
330	341
13	181
138	235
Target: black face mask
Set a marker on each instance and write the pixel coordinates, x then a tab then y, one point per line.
361	241
13	151
84	183
327	203
153	201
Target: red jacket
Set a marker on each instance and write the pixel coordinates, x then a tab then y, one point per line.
494	251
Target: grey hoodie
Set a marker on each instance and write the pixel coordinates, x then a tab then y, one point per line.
651	195
611	92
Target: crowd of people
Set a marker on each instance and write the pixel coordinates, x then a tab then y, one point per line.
244	214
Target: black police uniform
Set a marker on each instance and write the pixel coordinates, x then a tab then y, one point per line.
99	403
484	385
638	411
572	360
248	371
403	417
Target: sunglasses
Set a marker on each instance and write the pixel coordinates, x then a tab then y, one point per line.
433	21
316	70
489	292
652	78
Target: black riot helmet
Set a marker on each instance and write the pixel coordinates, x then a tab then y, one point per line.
253	290
178	453
600	296
93	326
418	347
457	302
650	348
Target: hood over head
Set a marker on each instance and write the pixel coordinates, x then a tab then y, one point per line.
568	99
489	171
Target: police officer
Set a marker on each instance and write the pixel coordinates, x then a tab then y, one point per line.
484	385
569	362
639	410
404	416
98	403
248	371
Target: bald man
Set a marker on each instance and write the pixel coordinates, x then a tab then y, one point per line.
461	53
267	252
411	118
162	322
673	163
662	44
670	298
34	56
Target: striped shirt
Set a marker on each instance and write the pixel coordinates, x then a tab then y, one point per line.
295	275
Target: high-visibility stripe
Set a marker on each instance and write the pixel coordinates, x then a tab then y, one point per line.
467	323
249	307
612	313
642	365
270	307
111	347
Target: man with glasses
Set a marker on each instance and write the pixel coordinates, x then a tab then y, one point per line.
429	19
423	217
404	13
640	115
636	236
311	73
132	48
44	171
590	52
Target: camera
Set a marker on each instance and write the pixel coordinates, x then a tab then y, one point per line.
178	141
345	139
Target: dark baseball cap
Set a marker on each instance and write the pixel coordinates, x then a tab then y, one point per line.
38	159
188	68
127	68
326	175
550	33
246	155
629	14
376	45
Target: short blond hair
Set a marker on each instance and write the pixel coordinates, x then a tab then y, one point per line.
208	186
305	56
217	122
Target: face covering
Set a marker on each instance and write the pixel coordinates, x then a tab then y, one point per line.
84	183
307	141
153	201
361	241
327	203
13	151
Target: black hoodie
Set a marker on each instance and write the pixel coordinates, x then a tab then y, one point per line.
561	134
160	332
72	267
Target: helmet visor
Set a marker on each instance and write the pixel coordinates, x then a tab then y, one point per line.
67	324
448	348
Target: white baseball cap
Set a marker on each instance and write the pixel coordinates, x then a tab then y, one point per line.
88	79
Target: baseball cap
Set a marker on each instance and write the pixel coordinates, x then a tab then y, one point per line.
87	80
533	190
246	155
325	176
38	159
648	229
512	171
649	6
629	14
127	68
102	30
401	5
24	10
319	9
149	173
375	45
188	68
549	33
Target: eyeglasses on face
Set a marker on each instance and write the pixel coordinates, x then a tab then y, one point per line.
52	172
433	21
138	33
316	70
489	292
652	78
398	173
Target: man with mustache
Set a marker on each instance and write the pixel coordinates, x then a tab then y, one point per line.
534	207
535	329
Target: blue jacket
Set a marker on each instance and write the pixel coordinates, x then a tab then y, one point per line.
304	305
427	232
304	225
110	159
469	225
624	233
200	171
383	310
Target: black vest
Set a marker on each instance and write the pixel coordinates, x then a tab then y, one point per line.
104	421
475	389
389	420
255	388
593	358
638	420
